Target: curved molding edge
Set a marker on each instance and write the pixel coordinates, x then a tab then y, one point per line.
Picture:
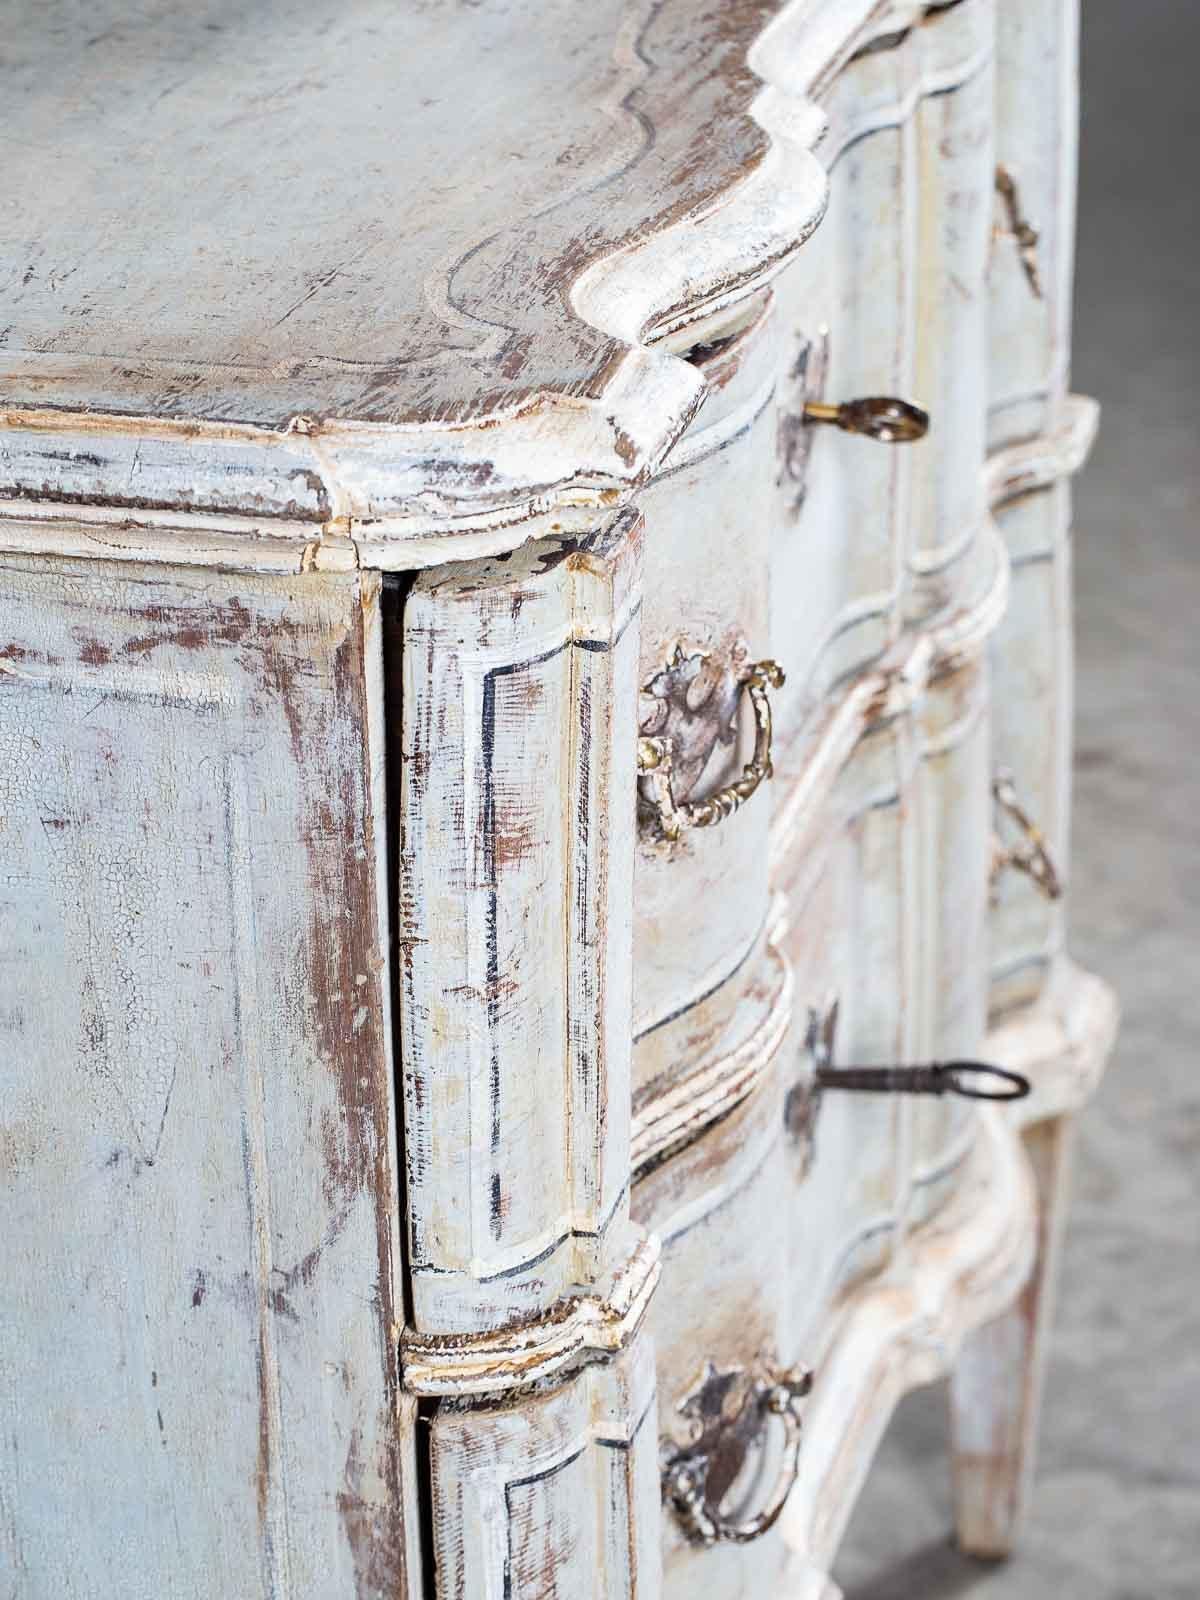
325	494
1061	1042
892	688
523	1355
953	1274
1039	462
897	682
679	1115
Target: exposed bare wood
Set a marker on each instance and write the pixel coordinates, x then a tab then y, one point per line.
579	1328
520	717
202	1283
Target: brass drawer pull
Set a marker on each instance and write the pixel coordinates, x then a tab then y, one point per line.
974	1080
1031	855
729	1411
881	417
657	756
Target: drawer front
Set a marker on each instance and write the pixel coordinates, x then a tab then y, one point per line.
888	298
700	900
851	938
787	1199
841	508
724	1208
556	1494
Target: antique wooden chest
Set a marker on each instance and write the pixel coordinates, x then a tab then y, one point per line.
534	635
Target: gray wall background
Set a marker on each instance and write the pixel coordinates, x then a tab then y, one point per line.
1116	1512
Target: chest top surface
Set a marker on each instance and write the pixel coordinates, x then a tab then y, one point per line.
401	223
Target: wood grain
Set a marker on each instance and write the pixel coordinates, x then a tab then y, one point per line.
519	724
202	1277
400	345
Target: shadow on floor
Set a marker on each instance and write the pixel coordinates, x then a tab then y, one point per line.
937	1571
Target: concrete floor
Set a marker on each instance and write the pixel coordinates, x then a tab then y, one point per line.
1116	1512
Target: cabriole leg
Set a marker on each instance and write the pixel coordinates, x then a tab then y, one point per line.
995	1389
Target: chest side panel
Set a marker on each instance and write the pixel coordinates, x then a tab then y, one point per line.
198	1191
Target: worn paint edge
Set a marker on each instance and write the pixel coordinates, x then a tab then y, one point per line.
681	1114
891	689
1040	462
902	1331
374	484
522	1355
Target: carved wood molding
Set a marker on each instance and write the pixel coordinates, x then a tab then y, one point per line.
1062	1042
898	682
1037	463
893	688
674	1118
521	1355
952	1275
499	411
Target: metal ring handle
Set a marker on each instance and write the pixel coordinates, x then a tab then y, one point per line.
959	1076
686	1475
885	418
972	1080
656	775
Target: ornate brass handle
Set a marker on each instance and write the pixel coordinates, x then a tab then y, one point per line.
729	1410
1032	855
656	765
881	417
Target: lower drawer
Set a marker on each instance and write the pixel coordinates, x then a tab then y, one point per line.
722	1321
553	1494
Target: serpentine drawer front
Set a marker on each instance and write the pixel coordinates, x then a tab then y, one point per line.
535	677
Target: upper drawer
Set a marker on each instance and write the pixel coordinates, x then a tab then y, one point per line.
700	898
887	299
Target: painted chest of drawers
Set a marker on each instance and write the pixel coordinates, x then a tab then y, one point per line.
534	633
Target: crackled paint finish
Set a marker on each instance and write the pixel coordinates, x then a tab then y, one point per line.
197	1193
569	409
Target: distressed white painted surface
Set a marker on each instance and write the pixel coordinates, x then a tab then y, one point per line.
516	804
707	527
575	1019
904	1330
953	802
851	935
1028	402
197	1197
355	381
722	1210
557	1495
868	539
1037	118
